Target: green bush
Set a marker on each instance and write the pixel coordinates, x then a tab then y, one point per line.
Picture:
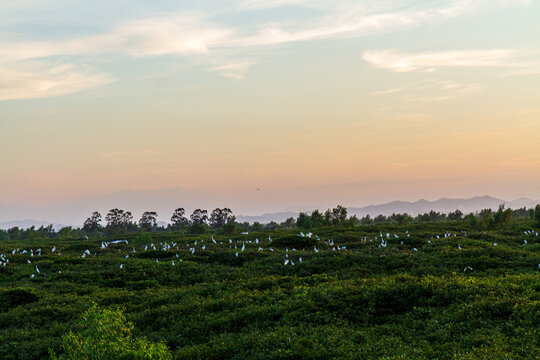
229	228
294	241
106	335
197	228
16	297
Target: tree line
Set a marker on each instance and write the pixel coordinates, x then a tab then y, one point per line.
118	221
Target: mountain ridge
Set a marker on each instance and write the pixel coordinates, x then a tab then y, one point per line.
444	205
413	208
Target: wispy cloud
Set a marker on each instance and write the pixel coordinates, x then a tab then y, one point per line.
201	37
235	70
387	91
430	61
346	19
130	154
266	4
166	35
196	33
46	82
431	90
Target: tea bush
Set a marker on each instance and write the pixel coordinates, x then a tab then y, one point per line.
358	297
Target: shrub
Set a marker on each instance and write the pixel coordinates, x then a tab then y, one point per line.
197	228
106	334
16	297
295	241
229	228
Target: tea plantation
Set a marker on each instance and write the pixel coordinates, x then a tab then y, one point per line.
422	291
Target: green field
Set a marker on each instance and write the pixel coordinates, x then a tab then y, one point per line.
409	295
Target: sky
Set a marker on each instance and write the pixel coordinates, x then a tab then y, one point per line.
267	105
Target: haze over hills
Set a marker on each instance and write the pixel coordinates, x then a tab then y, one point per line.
443	205
27	223
164	206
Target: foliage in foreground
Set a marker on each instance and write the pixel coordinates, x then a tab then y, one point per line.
106	334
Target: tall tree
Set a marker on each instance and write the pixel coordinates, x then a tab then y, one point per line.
118	220
220	217
199	217
366	220
92	223
455	215
336	216
179	219
148	220
289	223
340	215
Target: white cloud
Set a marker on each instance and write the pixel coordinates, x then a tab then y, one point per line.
346	19
196	35
430	61
387	91
235	70
167	35
266	4
533	70
431	90
41	83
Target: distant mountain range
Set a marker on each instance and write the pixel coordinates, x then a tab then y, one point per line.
442	205
27	223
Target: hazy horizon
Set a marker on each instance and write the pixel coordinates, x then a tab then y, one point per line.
74	212
267	105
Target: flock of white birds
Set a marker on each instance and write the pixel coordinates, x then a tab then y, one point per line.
239	246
